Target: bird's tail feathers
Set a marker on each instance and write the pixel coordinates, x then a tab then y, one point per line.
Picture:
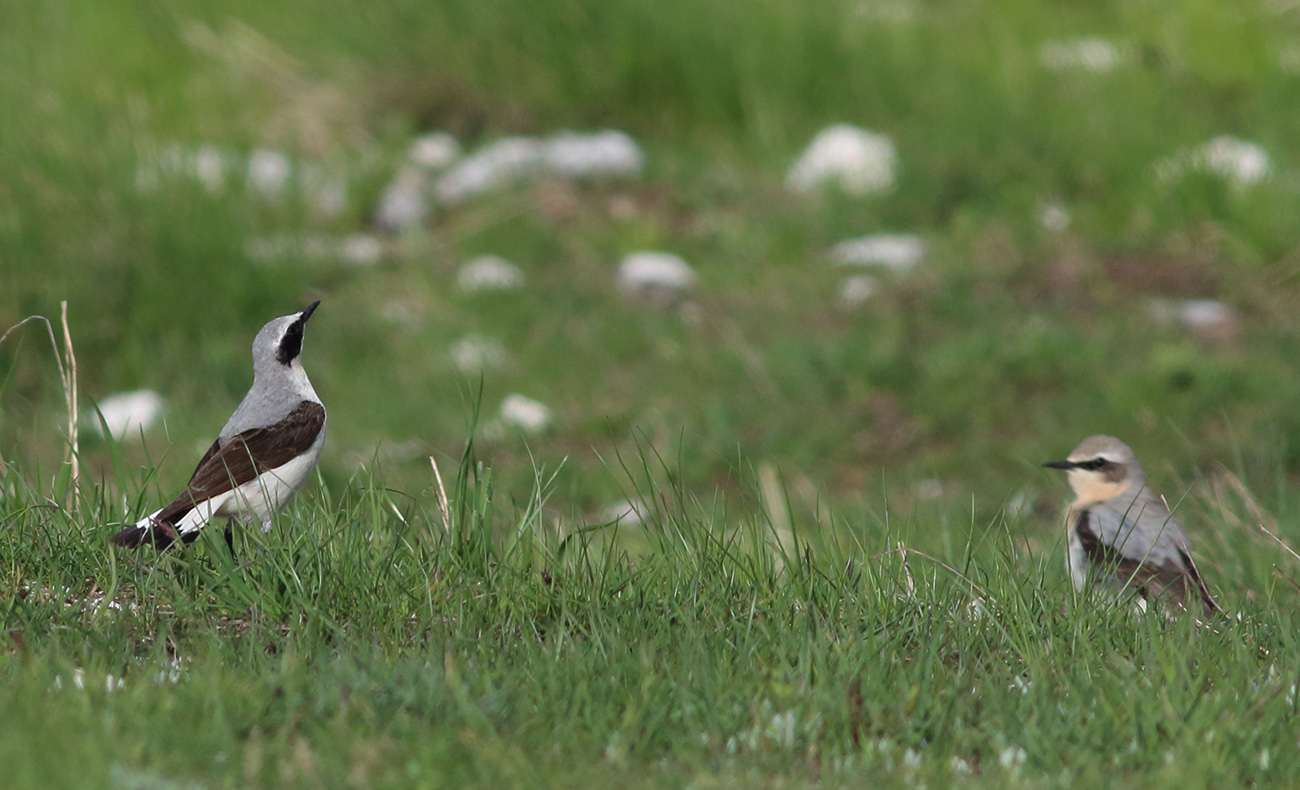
147	530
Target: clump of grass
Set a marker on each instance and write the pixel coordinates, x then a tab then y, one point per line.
363	637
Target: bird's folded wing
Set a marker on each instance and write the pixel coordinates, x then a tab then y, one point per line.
247	455
1145	548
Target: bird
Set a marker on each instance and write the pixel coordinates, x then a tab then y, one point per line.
1121	535
263	456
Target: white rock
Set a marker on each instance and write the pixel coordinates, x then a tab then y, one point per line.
1011	758
931	488
608	153
209	168
1086	54
475	353
126	414
1203	315
434	151
1240	162
268	173
1054	218
489	273
858	161
404	204
857	289
899	252
360	248
524	413
652	273
496	164
626	511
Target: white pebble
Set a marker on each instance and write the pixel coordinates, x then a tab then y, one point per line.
857	289
1205	315
434	151
489	273
524	413
1054	218
1240	162
360	248
210	168
898	252
608	153
268	173
858	161
403	206
495	165
1011	758
652	273
627	512
126	414
476	353
1086	54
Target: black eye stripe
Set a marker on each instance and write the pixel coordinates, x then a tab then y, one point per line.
291	344
1093	465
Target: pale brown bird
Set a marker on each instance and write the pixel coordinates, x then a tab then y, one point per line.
1121	535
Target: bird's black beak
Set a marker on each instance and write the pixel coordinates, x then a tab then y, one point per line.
1060	464
305	314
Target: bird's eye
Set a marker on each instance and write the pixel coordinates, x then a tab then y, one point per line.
1094	464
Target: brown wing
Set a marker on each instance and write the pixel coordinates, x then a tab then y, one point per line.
246	456
1175	584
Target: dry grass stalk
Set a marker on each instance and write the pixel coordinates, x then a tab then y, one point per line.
68	379
444	506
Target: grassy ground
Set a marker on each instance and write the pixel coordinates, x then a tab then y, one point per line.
763	628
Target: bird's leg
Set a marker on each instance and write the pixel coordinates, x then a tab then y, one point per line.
230	541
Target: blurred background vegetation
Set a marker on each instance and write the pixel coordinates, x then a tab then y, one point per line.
942	392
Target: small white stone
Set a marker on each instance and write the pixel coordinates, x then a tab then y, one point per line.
857	289
126	414
209	168
627	512
1054	218
268	173
1240	162
858	161
608	153
495	165
899	252
524	413
360	248
489	273
1011	758
403	205
651	273
1086	54
476	353
1205	315
929	489
434	151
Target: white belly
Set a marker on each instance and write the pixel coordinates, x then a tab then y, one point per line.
261	496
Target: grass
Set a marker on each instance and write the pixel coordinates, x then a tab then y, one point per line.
764	626
362	643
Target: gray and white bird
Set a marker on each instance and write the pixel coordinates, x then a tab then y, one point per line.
263	456
1121	535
